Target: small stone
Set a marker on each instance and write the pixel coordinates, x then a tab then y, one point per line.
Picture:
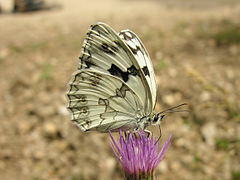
181	142
168	99
4	53
209	133
46	111
159	56
109	164
24	127
171	99
175	166
38	155
163	166
7	6
50	130
205	96
234	50
172	72
63	110
230	73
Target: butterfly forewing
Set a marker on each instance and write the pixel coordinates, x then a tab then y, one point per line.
109	89
141	55
106	52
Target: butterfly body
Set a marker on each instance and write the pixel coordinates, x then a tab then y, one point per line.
114	86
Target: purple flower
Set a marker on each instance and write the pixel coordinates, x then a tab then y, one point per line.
138	154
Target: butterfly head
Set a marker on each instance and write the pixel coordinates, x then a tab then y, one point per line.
156	118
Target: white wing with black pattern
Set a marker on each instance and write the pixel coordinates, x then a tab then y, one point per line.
110	89
141	55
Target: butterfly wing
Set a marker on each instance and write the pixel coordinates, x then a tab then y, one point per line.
104	51
101	102
109	90
141	55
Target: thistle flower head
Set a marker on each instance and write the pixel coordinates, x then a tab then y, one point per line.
138	153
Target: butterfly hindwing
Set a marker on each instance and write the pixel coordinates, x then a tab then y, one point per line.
102	102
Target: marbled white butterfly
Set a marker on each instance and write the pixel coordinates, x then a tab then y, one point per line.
114	86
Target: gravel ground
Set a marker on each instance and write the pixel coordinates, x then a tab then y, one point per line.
195	49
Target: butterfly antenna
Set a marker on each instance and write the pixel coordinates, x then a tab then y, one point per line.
172	109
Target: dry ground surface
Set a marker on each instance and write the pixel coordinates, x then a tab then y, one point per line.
195	49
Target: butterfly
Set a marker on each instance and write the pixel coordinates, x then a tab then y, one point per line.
114	86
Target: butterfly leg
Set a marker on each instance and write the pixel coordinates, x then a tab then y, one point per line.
148	133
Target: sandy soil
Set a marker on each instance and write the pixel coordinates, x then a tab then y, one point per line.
195	49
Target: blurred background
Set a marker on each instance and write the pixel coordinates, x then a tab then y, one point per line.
195	49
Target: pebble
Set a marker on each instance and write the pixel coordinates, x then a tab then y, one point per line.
173	72
50	129
37	155
171	99
109	164
4	52
163	166
205	96
46	110
6	6
175	166
63	110
209	131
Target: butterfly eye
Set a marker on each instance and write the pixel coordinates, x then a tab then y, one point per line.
155	119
